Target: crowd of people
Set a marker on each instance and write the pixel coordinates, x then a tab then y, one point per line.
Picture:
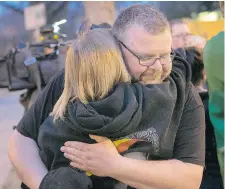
135	107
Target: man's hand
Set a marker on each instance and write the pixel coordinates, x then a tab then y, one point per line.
100	159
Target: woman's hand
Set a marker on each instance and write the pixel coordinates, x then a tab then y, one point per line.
100	159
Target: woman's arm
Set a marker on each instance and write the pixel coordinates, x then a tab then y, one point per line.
24	155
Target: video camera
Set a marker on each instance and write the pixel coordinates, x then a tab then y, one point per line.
29	67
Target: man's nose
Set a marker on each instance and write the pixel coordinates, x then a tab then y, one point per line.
157	65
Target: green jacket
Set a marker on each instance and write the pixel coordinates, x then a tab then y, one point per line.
213	56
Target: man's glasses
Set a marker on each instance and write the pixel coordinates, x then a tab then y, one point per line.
149	61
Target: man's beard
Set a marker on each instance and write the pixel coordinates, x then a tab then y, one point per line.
151	76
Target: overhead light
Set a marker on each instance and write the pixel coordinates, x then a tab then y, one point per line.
56	29
208	16
56	25
61	22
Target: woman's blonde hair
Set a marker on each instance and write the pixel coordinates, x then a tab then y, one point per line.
94	64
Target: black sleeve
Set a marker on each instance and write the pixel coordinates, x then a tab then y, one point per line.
189	144
39	111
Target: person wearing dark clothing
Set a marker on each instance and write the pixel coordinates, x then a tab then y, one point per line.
129	113
211	176
176	142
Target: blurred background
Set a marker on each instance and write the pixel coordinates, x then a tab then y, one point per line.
16	25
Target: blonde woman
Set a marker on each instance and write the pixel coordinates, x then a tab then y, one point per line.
96	81
97	99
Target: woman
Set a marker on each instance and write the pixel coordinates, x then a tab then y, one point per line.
97	99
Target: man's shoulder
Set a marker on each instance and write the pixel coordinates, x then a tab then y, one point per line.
60	75
181	69
58	79
55	86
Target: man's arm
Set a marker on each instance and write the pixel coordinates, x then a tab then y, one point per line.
185	170
39	111
102	159
168	174
23	150
24	155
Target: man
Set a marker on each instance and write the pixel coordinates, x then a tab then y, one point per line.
144	34
180	34
214	65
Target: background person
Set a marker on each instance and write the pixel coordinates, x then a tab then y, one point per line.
211	176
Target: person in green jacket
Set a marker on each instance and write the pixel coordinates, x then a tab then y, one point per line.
214	65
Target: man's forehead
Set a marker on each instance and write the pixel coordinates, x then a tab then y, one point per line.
146	44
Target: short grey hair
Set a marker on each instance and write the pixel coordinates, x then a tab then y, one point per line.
146	16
